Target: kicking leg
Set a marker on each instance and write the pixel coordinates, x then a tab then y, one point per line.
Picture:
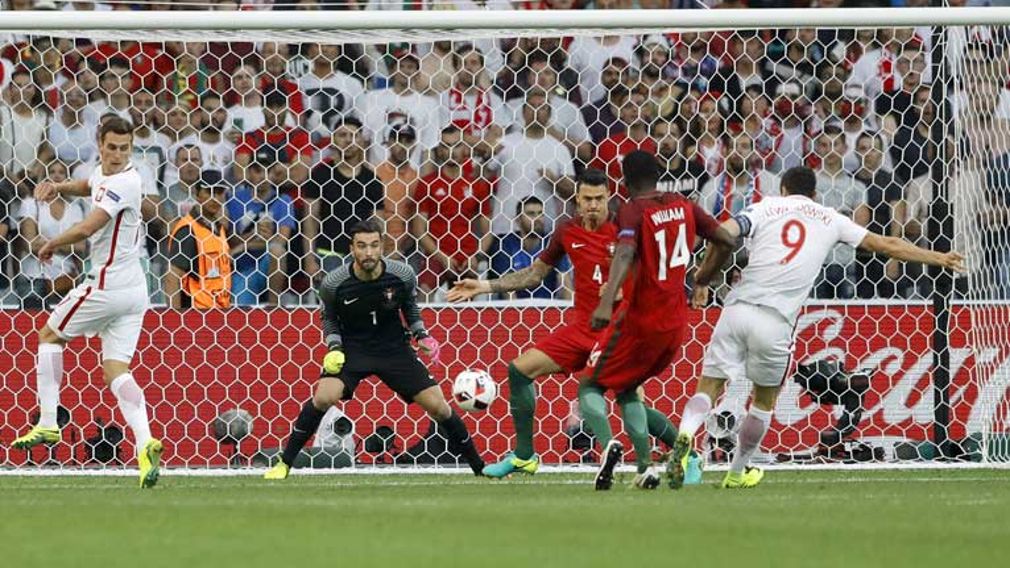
48	377
433	402
695	413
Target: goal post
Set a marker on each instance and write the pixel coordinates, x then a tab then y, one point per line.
470	127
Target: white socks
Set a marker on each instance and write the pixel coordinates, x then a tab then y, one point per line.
695	413
752	430
134	408
48	377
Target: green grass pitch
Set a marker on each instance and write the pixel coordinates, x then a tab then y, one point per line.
920	518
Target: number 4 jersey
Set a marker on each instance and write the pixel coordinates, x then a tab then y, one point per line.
789	239
663	227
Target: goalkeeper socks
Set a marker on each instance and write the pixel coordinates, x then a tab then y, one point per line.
460	442
134	408
695	413
593	408
305	427
522	403
636	427
752	430
48	376
660	427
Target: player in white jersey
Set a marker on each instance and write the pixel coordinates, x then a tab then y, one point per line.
789	239
111	300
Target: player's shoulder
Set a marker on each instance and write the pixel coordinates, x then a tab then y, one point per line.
401	270
335	278
128	179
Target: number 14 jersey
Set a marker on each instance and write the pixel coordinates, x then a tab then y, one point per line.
790	237
662	227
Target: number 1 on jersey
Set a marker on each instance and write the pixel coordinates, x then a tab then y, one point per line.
681	255
793	239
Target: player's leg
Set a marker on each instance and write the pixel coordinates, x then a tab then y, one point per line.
329	391
48	378
752	431
433	402
522	405
768	361
119	342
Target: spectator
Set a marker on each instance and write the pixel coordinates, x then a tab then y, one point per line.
293	143
839	190
116	84
192	76
452	224
209	121
601	116
677	173
910	149
589	56
792	111
876	276
796	58
245	108
635	136
471	104
71	138
189	165
694	67
149	144
531	162
567	125
263	223
330	93
745	68
399	177
518	249
177	126
896	109
23	124
38	284
874	71
402	103
742	181
200	270
275	76
706	132
342	189
438	67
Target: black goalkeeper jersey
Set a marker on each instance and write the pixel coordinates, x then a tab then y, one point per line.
373	317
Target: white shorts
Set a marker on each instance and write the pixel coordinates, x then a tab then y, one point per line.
116	316
750	342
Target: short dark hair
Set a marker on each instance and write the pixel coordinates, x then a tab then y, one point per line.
115	125
365	226
531	200
349	121
275	98
641	171
592	176
799	180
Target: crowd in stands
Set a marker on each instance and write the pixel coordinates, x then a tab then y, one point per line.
257	156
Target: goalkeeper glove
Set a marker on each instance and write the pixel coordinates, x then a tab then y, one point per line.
333	362
430	347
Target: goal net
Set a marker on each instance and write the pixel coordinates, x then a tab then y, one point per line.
463	130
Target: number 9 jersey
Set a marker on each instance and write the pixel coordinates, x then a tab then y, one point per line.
789	239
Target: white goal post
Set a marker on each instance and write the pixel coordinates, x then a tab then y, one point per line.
923	369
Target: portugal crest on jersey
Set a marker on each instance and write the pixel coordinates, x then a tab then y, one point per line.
390	297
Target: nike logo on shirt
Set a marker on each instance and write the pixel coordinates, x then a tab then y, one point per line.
350	301
578	245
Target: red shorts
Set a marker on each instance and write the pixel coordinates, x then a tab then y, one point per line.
624	359
569	346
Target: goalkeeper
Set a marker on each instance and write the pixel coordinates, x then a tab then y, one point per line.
364	307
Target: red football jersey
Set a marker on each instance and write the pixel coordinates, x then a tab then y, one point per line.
662	227
590	253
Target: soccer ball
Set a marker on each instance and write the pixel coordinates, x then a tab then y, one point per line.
474	390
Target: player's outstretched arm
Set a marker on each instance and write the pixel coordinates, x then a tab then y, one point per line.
523	279
624	256
900	249
89	226
47	191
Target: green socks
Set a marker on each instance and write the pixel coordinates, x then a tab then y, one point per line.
522	403
593	408
636	427
660	427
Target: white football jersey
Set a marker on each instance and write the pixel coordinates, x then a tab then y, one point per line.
790	237
116	248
